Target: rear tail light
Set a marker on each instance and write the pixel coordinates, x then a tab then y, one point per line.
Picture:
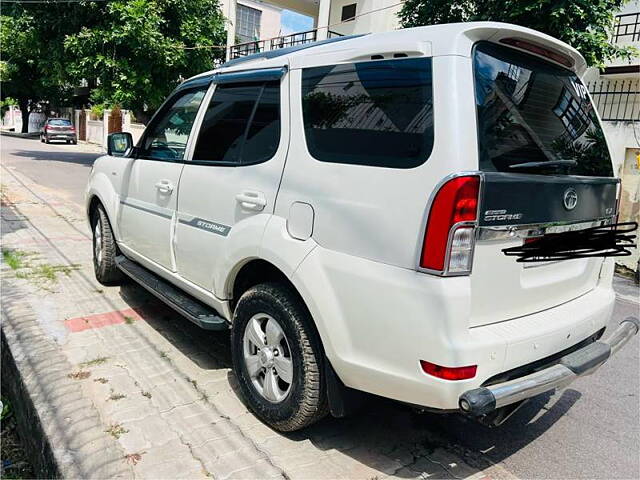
449	236
539	50
449	373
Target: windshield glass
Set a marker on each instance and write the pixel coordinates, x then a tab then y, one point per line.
535	117
60	122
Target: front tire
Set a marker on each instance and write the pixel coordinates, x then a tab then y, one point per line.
104	249
277	358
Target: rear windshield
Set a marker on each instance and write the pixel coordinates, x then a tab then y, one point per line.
376	113
61	122
535	117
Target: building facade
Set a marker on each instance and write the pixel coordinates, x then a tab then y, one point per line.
615	90
261	29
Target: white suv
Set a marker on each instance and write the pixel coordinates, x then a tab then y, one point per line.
392	213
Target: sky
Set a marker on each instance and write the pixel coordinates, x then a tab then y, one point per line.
293	22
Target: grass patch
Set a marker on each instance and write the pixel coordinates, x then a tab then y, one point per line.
128	320
134	458
41	274
146	394
101	380
46	272
95	362
79	375
116	396
14	258
116	430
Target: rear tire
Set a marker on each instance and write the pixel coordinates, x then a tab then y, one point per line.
105	249
294	362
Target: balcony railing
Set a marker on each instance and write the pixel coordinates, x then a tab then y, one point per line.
616	100
248	48
627	28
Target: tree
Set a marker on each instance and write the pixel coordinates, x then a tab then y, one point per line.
33	58
584	24
141	49
134	51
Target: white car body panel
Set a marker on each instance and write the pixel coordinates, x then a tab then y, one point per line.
351	250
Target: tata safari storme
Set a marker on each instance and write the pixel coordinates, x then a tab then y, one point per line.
426	215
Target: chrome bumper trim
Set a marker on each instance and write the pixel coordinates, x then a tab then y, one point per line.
484	400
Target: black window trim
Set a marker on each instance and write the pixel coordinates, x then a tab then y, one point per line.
226	163
367	165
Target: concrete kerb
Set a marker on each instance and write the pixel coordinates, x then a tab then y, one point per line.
62	431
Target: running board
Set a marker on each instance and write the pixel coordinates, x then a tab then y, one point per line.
196	311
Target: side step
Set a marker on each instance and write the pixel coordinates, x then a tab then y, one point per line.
202	315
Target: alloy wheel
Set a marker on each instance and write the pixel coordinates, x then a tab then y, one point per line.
267	357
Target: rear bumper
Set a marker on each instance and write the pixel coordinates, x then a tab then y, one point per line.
484	400
61	136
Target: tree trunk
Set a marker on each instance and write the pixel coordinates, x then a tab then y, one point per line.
23	103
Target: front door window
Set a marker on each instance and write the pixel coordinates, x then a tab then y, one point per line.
167	136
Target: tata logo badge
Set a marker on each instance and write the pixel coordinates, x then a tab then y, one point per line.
570	199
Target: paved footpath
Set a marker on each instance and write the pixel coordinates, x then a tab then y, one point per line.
126	388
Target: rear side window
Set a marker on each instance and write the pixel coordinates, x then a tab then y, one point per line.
376	113
241	125
535	117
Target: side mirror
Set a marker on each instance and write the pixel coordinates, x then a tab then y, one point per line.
119	144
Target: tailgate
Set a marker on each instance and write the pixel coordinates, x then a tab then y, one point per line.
517	206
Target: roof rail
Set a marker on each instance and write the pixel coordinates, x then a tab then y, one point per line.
285	51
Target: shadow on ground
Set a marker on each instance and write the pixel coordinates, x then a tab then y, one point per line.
382	429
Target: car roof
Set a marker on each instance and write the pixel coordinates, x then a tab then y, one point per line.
434	40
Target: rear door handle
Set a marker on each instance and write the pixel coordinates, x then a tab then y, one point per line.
250	200
164	186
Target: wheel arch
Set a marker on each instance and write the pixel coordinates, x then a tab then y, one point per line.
93	201
342	400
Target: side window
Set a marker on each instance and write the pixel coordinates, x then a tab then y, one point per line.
167	136
242	124
376	113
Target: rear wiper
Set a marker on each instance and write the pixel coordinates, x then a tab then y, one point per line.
549	163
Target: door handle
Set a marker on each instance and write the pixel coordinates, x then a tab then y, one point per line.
164	186
250	200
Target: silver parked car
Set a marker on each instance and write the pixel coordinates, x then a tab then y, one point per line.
58	129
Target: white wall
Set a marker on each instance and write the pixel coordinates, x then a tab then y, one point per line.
269	20
95	131
378	21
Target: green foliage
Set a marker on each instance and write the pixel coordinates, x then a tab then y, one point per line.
584	24
97	111
133	51
137	51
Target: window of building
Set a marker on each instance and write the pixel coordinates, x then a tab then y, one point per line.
242	124
371	113
247	23
166	137
348	12
573	116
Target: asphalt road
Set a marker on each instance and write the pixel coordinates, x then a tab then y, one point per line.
589	430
